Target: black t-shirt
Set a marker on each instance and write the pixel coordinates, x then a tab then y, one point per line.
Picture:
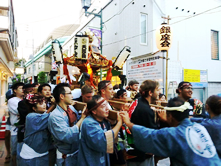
23	112
143	115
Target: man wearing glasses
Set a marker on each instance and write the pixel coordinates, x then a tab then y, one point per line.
64	126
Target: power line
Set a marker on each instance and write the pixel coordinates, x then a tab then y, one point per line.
197	14
119	12
129	38
170	24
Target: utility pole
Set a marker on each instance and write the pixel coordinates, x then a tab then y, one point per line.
101	28
166	86
33	52
85	5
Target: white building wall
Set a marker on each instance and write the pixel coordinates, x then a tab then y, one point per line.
214	88
192	37
124	29
4	3
191	46
42	64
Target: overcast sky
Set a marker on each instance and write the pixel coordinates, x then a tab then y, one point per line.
35	19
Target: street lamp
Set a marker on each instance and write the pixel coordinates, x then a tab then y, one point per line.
86	5
164	41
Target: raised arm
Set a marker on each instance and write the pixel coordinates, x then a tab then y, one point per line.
61	130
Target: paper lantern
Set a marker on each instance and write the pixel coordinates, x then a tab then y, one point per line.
84	47
77	46
164	37
81	44
121	58
57	51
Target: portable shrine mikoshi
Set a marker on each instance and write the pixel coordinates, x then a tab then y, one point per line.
117	104
79	106
88	58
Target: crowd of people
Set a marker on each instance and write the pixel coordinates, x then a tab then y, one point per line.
45	128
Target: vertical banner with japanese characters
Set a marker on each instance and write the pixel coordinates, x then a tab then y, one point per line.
77	46
97	34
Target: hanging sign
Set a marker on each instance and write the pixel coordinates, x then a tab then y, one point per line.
81	45
164	37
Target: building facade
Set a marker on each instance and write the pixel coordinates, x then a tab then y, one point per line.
42	61
194	54
8	45
195	46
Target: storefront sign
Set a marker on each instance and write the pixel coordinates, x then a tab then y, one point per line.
195	75
145	68
191	75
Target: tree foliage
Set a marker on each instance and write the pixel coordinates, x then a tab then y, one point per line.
42	78
16	78
20	63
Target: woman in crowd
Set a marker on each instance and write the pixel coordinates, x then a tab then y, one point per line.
213	125
162	97
37	140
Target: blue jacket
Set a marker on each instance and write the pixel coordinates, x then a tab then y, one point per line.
37	135
93	144
187	144
66	138
213	127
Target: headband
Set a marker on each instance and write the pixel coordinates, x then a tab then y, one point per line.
29	96
181	108
33	99
97	105
105	86
185	84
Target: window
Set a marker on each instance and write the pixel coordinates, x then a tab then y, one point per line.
34	68
214	45
143	28
40	65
